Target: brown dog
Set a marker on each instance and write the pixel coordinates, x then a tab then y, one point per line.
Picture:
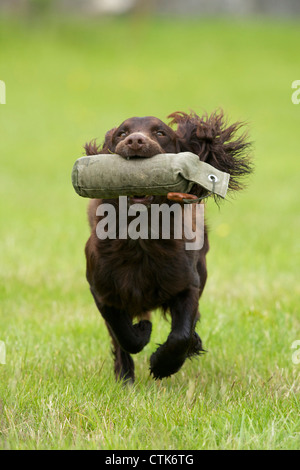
130	278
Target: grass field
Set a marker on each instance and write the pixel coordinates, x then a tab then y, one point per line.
68	82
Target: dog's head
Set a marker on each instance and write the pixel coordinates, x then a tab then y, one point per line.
209	137
142	137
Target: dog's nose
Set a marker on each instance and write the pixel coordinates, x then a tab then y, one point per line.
135	141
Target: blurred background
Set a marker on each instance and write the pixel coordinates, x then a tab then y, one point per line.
188	7
75	69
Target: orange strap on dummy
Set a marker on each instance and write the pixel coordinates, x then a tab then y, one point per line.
179	197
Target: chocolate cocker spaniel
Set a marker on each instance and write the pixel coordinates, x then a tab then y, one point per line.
128	277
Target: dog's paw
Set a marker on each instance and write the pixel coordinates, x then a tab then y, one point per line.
195	348
139	336
164	362
143	330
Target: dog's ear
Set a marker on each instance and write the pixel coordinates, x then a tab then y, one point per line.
216	143
91	148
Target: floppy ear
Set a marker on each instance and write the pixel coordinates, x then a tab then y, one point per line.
215	143
91	148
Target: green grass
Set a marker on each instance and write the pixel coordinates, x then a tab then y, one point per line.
68	82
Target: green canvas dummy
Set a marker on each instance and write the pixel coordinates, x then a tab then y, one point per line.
109	176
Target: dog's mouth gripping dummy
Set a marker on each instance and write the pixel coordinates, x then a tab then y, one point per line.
106	176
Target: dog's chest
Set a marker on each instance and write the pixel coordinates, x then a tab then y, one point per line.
142	276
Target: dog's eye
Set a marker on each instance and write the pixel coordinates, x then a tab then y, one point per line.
122	134
160	133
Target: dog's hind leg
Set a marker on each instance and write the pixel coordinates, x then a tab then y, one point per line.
123	362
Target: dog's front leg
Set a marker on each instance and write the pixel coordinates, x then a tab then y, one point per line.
183	341
131	338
